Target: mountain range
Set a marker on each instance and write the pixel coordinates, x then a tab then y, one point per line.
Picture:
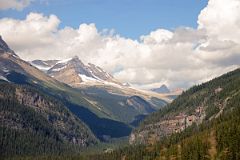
76	104
64	106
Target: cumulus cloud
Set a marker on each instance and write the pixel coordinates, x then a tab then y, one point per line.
178	58
14	4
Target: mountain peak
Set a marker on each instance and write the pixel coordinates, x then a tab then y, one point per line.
162	89
73	72
4	47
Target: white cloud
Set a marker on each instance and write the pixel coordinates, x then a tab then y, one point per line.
14	4
221	19
158	36
178	58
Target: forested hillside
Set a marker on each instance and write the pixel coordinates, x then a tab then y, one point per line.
33	124
199	104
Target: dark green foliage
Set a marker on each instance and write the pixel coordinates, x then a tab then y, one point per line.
32	134
228	131
195	148
32	130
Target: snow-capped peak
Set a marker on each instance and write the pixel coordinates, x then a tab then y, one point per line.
74	71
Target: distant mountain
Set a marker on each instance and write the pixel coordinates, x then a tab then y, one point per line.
73	72
162	89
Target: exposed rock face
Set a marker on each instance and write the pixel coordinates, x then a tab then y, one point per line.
166	127
68	76
74	63
73	72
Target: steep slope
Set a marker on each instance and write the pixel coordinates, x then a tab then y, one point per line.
37	119
200	104
73	72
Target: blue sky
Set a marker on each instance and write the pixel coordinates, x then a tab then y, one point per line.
129	18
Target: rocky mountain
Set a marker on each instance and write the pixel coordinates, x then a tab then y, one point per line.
31	112
103	91
162	89
74	72
200	104
102	106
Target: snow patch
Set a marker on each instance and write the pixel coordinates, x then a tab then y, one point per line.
87	79
4	78
64	61
41	67
5	70
58	69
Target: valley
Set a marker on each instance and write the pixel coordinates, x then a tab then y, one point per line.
94	107
90	108
119	80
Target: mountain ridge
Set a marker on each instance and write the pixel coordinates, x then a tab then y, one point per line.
76	70
199	104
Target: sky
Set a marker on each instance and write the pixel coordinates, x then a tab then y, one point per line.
129	18
144	42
